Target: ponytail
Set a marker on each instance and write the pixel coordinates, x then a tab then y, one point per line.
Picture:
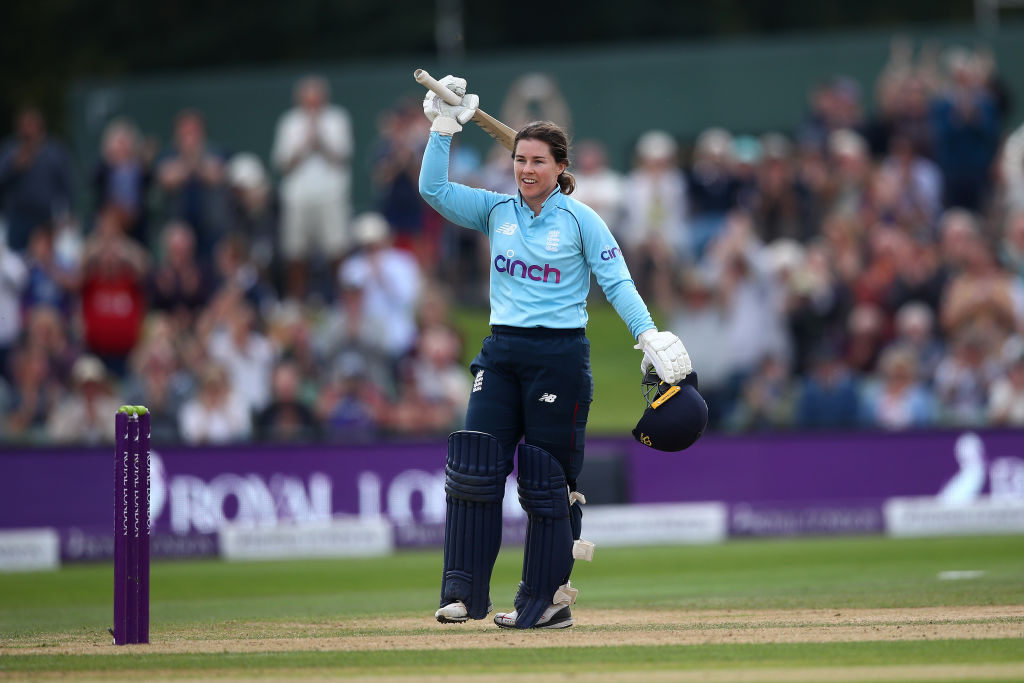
567	181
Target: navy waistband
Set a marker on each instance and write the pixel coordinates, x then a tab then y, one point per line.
538	332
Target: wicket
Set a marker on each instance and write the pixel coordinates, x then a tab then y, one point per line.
131	525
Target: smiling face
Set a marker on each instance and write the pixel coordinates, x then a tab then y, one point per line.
536	171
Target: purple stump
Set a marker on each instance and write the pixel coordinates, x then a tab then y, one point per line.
146	529
134	522
122	455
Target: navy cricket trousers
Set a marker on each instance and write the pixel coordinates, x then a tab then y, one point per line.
534	384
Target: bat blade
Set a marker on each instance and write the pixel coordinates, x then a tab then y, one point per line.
505	135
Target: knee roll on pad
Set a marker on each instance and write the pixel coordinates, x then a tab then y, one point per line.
475	486
547	555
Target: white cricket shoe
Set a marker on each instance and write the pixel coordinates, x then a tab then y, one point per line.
555	616
455	613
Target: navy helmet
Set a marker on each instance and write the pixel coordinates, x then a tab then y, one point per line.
676	414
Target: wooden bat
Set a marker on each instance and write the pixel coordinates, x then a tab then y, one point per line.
505	135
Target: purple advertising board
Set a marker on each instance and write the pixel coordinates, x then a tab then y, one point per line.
773	484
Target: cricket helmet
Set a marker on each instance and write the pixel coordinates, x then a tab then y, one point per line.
676	414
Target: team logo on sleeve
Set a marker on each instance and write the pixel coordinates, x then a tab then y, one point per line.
609	253
506	228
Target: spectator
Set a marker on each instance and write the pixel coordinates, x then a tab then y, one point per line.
766	398
915	329
180	285
896	400
34	393
13	278
1006	395
920	276
966	131
1011	252
963	379
350	403
217	413
867	334
84	414
36	187
254	213
712	187
779	201
286	417
912	187
46	329
396	169
235	344
114	272
598	185
437	386
191	177
236	270
752	297
653	231
848	190
699	317
123	176
834	105
981	294
291	331
52	280
158	380
815	305
312	150
389	280
829	394
1011	167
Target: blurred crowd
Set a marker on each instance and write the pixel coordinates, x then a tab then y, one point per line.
861	270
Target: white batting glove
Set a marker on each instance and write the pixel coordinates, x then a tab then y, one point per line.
447	119
664	351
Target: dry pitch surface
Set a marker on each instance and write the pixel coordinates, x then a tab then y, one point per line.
595	628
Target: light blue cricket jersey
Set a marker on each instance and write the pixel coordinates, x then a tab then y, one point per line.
540	266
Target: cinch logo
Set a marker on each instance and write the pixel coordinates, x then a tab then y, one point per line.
504	263
609	253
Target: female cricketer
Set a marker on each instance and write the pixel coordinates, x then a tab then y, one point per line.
532	378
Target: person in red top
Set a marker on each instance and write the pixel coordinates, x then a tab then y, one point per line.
113	292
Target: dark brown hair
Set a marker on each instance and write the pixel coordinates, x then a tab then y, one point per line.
558	143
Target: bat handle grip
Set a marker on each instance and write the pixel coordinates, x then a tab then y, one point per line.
432	84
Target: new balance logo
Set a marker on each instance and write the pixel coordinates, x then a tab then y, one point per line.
507	228
478	381
548	398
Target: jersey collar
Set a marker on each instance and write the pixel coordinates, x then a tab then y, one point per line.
552	200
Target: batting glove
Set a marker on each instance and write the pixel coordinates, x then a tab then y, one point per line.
447	119
666	353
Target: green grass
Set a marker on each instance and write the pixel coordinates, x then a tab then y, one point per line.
200	600
616	366
755	574
543	660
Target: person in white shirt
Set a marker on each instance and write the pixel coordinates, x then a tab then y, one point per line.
217	413
312	151
390	281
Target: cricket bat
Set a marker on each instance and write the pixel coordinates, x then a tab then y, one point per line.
505	135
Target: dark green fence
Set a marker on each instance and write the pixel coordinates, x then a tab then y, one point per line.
615	93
